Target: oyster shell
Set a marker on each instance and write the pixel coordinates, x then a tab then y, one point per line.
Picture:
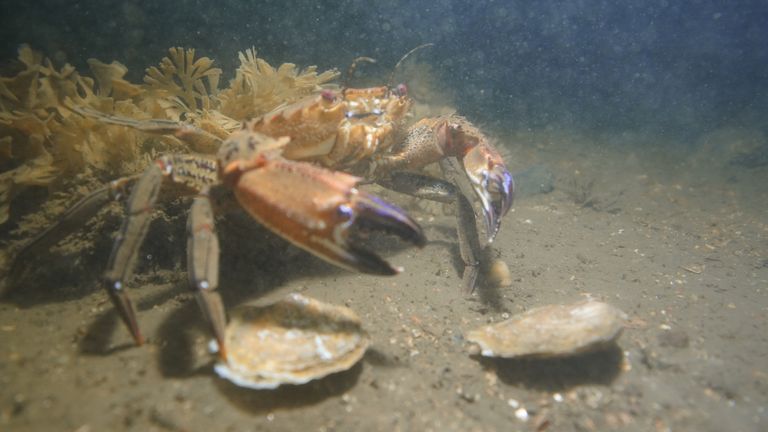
551	331
293	341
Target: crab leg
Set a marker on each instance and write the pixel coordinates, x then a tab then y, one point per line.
466	228
434	139
126	247
203	265
198	139
433	189
72	219
191	171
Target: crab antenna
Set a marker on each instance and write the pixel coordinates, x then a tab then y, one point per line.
402	59
351	70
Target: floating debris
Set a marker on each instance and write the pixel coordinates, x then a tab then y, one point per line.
293	341
550	331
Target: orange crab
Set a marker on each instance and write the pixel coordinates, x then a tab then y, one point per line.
362	131
323	213
296	171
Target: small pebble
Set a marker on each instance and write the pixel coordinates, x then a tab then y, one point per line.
521	414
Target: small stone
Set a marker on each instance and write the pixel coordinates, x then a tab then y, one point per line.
521	414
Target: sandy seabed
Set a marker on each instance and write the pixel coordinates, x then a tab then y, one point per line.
675	234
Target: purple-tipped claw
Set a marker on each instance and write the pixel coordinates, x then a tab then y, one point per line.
371	213
493	185
324	213
501	188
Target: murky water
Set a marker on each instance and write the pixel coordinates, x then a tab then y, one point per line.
636	134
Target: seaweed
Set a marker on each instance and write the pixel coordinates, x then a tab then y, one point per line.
259	88
109	78
46	141
182	79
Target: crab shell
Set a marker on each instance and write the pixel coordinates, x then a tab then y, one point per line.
551	331
293	341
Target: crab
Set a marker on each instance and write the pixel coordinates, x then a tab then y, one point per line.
297	170
324	213
363	131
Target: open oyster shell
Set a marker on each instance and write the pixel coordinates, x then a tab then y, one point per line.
551	331
293	341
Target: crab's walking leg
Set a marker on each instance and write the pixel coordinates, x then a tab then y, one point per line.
193	172
469	246
71	220
198	139
466	225
426	187
126	247
203	265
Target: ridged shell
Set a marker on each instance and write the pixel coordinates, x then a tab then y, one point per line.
293	341
551	331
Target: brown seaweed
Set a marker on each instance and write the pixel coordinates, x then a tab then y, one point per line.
259	88
44	137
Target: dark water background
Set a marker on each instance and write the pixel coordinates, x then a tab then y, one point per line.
675	67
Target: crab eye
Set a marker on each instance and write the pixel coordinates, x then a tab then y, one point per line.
328	95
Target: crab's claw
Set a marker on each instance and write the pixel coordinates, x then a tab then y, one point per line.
368	213
492	183
319	210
